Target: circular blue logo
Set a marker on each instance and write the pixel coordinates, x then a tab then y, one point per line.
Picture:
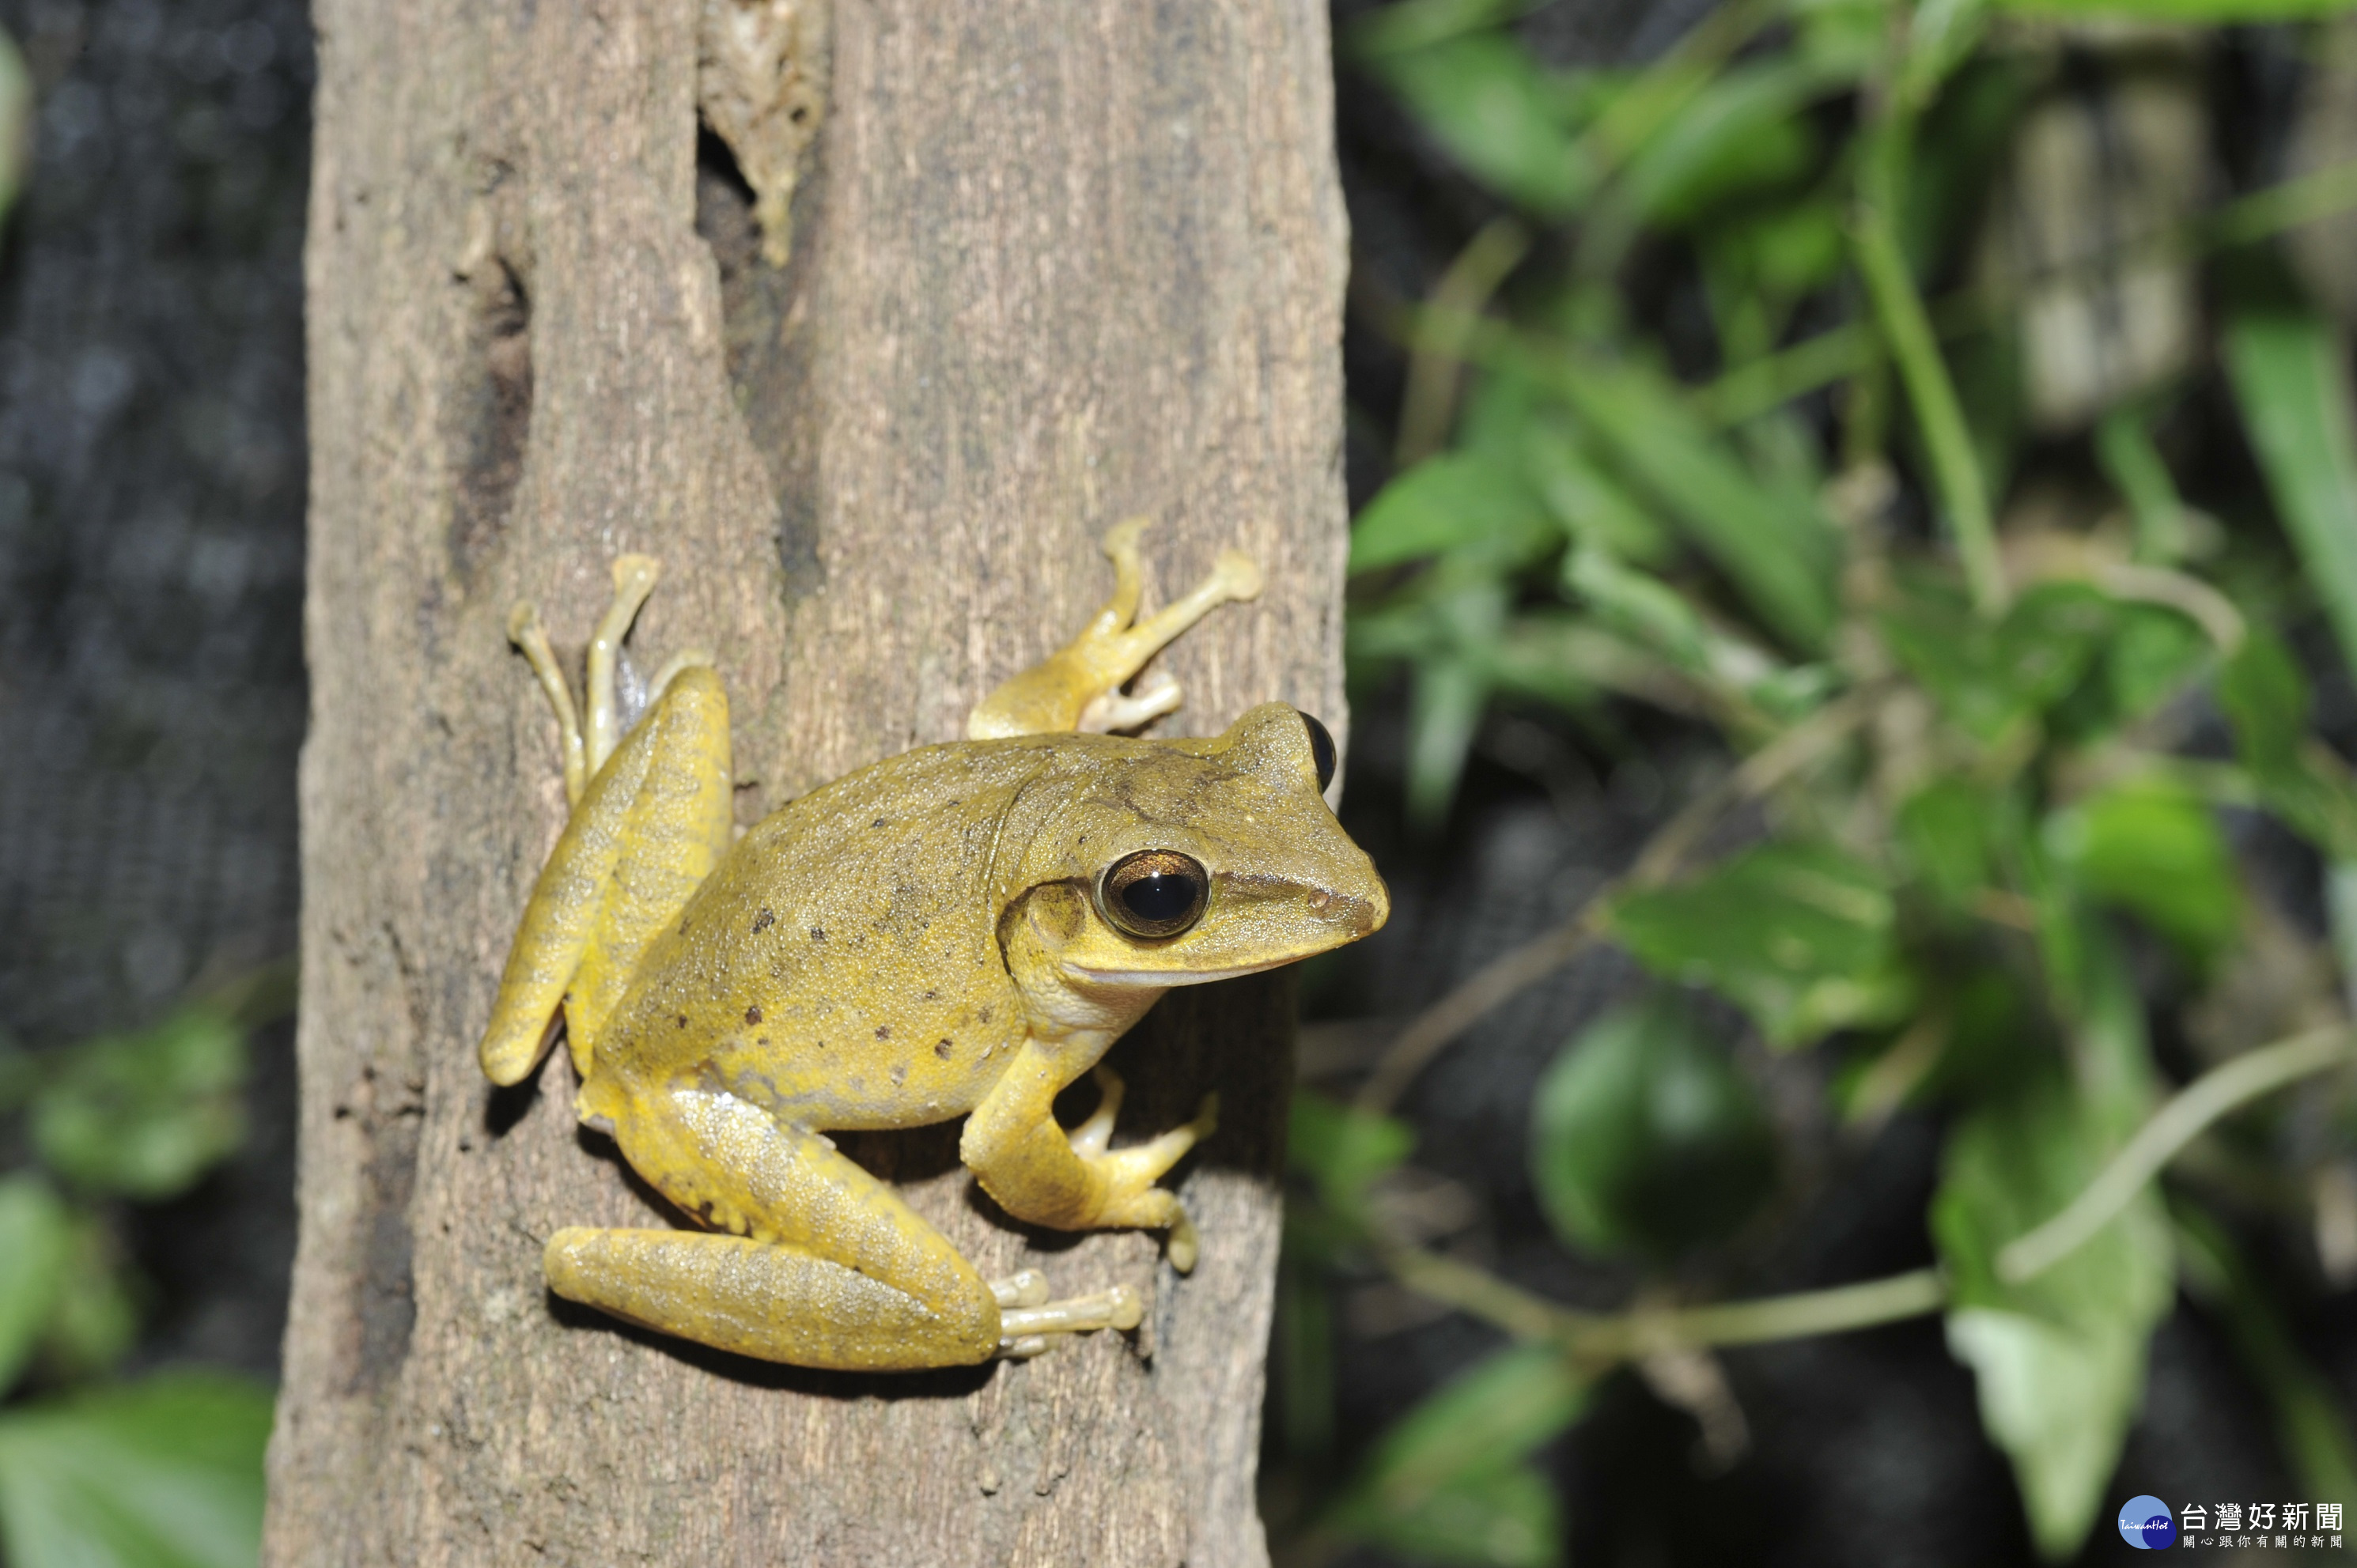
2147	1524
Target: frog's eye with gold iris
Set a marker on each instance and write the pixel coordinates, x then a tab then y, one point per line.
1153	893
1322	750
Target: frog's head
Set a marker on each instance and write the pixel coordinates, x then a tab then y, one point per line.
1204	859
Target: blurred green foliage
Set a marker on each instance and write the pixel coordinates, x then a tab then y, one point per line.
1964	719
164	1470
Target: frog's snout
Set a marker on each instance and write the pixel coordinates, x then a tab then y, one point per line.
1360	910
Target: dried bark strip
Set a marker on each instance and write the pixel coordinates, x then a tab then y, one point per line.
1053	266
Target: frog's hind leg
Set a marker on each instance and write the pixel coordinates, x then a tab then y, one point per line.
820	1264
649	824
1079	687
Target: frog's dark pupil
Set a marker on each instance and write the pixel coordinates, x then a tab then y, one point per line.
1154	893
1160	897
1322	750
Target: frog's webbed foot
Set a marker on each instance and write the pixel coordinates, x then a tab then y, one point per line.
587	745
1129	1175
1079	687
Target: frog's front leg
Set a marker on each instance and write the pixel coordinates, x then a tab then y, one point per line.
1072	1181
651	818
1078	687
820	1264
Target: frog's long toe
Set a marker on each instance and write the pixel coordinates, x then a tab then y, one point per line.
1158	692
1120	1307
1093	1137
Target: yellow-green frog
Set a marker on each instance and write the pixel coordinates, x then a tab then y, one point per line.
960	930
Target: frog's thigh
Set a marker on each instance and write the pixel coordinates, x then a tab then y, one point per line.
650	826
828	1268
673	830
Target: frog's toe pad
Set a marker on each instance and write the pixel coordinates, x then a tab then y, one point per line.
1158	692
1184	1246
1024	1287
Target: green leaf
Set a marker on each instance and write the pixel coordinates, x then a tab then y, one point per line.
2291	378
1495	1414
1946	830
1802	937
1779	552
1443	713
1593	507
1746	131
2060	1360
1988	678
1940	35
2154	655
2311	1428
1449	1482
1486	97
2150	847
146	1115
1639	606
1493	1519
2190	13
1344	1150
1414	25
2265	699
1458	501
35	1232
16	98
2136	469
94	1321
1644	1136
166	1473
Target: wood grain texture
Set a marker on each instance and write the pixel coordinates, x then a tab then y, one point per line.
1055	263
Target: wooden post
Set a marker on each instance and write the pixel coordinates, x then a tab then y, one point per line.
1053	265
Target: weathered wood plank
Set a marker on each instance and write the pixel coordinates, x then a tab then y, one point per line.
1053	265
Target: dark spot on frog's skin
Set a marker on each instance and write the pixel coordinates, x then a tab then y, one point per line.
682	927
683	1020
876	824
932	995
900	1074
818	933
883	1031
763	921
943	1050
764	1041
984	1015
752	1015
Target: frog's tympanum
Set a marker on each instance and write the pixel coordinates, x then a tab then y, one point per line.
960	930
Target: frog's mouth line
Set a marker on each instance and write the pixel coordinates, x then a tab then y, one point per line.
1173	976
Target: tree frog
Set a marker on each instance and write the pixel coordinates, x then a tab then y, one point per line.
960	930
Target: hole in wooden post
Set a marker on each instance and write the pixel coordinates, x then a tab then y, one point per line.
768	345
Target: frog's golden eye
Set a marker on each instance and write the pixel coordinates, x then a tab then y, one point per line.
1154	893
1322	750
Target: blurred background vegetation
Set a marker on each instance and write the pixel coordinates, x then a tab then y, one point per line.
1854	584
153	161
1853	599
